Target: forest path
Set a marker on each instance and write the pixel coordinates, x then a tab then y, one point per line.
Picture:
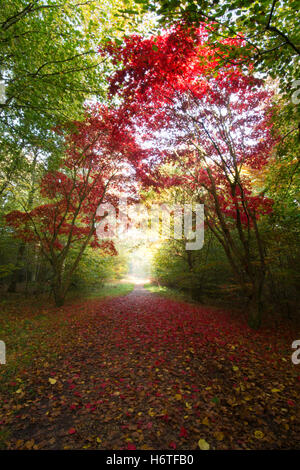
142	371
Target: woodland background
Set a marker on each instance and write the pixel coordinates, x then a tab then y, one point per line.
51	66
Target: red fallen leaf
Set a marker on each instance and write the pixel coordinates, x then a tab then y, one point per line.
183	432
131	446
165	417
290	403
172	445
72	431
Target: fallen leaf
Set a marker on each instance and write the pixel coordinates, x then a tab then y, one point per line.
203	445
259	434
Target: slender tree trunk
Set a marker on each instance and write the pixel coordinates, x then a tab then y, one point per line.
256	304
35	268
59	292
21	250
59	297
16	274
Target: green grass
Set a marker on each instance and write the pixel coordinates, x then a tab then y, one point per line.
108	290
169	293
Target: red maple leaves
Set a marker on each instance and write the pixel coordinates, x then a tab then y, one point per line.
213	125
102	161
214	117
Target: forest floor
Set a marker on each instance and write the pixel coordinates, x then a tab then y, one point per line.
140	371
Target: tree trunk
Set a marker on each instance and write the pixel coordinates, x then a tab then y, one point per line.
16	274
256	304
59	296
59	292
59	299
255	313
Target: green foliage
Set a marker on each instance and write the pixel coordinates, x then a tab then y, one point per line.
201	274
270	28
95	269
49	67
167	292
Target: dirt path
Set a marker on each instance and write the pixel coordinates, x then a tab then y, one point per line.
145	372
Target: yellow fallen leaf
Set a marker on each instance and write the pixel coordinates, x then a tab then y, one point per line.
259	434
19	390
52	381
178	396
29	444
188	405
219	436
205	421
203	445
235	368
275	390
98	440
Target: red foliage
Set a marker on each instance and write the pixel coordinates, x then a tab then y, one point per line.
103	159
216	117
